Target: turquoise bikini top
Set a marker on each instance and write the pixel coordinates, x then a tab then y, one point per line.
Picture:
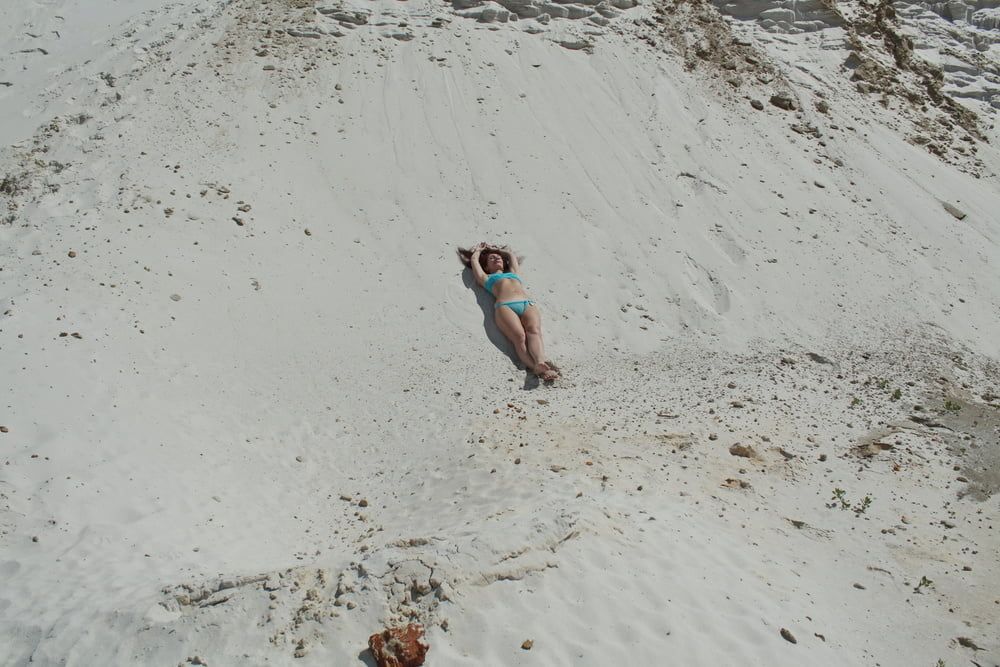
499	276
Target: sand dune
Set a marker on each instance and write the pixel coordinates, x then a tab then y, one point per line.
256	411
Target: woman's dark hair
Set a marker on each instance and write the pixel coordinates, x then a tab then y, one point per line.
465	256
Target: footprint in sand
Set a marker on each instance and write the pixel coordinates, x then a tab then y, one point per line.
705	288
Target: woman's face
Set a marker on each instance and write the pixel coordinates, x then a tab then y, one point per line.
494	262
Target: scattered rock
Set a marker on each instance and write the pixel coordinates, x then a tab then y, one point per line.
4	429
807	129
788	636
71	254
175	297
399	647
784	101
860	587
746	451
362	503
757	104
959	214
527	644
870	449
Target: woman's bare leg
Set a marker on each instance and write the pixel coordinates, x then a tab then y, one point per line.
510	326
532	323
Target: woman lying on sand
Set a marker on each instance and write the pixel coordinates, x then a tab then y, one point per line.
515	314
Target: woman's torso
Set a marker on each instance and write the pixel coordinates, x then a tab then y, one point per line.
507	288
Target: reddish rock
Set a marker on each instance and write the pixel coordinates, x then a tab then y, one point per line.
399	647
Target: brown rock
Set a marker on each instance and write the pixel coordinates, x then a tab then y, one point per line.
72	254
746	451
527	644
4	429
399	647
788	636
783	101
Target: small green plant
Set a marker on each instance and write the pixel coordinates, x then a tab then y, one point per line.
951	406
855	401
840	499
924	583
896	395
940	663
882	383
863	506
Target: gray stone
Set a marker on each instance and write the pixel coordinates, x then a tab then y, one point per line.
959	214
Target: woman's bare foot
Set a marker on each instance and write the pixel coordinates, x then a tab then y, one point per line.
546	372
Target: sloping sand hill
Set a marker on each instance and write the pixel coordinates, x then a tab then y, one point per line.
255	410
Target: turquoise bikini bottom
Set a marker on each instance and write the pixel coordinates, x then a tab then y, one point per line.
517	306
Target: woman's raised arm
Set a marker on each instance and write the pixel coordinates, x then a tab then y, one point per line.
512	260
477	269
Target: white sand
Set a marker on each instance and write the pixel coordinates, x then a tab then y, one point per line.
184	480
